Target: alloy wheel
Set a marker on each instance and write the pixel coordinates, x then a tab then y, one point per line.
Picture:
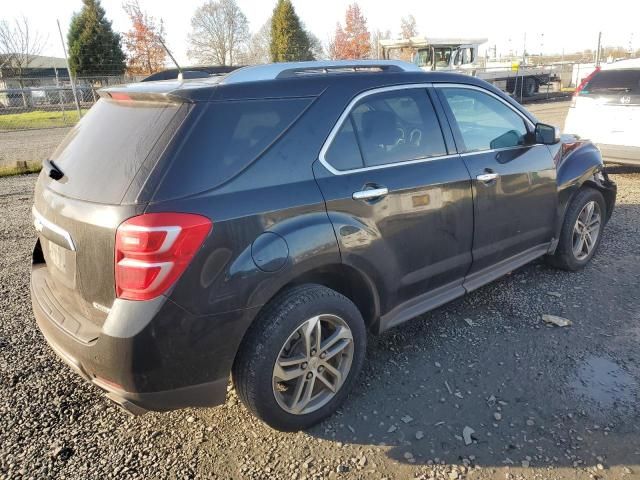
313	364
586	230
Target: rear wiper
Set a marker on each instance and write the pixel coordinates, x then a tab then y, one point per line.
54	171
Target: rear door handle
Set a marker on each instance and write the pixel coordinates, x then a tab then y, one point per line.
487	177
370	193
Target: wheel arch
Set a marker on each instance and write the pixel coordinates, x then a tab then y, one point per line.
342	278
347	281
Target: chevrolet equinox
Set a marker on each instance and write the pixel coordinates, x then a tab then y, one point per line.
259	223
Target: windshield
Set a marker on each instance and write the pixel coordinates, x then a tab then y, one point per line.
442	56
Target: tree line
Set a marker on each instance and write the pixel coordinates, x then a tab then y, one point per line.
219	35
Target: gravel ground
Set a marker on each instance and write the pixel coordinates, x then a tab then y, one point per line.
543	402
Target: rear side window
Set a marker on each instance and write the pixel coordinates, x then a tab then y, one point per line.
225	139
622	81
484	122
389	127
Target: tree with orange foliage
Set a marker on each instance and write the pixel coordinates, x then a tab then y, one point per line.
408	29
145	51
354	40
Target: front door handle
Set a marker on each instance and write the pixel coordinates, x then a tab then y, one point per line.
487	177
370	193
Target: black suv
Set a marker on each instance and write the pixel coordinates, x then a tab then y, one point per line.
259	223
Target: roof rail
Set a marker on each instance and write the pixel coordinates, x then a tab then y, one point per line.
272	71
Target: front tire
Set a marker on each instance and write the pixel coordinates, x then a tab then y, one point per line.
581	231
299	360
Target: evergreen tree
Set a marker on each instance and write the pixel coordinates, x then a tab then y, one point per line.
94	48
289	41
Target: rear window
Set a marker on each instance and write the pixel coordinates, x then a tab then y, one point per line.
102	154
224	140
614	81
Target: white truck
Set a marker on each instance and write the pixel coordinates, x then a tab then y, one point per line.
460	55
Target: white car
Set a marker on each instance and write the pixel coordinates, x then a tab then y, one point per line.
606	110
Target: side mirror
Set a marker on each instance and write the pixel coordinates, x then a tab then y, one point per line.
547	134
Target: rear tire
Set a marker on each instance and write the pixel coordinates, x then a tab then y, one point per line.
581	231
281	344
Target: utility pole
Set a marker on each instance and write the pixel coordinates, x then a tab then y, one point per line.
73	83
524	49
598	50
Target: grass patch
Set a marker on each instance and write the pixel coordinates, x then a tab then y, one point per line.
39	119
30	168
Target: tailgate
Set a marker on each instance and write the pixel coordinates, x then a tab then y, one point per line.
97	178
77	242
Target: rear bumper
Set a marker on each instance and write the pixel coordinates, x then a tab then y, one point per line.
166	361
620	154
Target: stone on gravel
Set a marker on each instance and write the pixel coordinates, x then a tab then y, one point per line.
466	435
555	320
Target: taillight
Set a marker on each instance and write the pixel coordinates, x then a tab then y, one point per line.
152	251
583	84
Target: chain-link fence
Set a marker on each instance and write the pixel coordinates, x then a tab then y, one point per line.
36	103
36	114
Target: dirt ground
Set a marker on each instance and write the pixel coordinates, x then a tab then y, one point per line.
538	401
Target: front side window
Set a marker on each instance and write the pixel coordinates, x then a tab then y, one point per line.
485	123
389	127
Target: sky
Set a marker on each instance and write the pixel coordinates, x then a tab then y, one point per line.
549	27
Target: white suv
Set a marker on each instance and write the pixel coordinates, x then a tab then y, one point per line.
606	110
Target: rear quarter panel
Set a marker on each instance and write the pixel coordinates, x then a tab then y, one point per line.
276	194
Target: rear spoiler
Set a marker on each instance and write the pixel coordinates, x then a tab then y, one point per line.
125	96
165	92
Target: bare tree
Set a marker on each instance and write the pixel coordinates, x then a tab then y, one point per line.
408	27
376	36
220	32
258	50
19	44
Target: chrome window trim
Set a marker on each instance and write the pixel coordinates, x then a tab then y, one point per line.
408	86
347	111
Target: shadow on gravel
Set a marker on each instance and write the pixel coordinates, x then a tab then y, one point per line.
482	381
